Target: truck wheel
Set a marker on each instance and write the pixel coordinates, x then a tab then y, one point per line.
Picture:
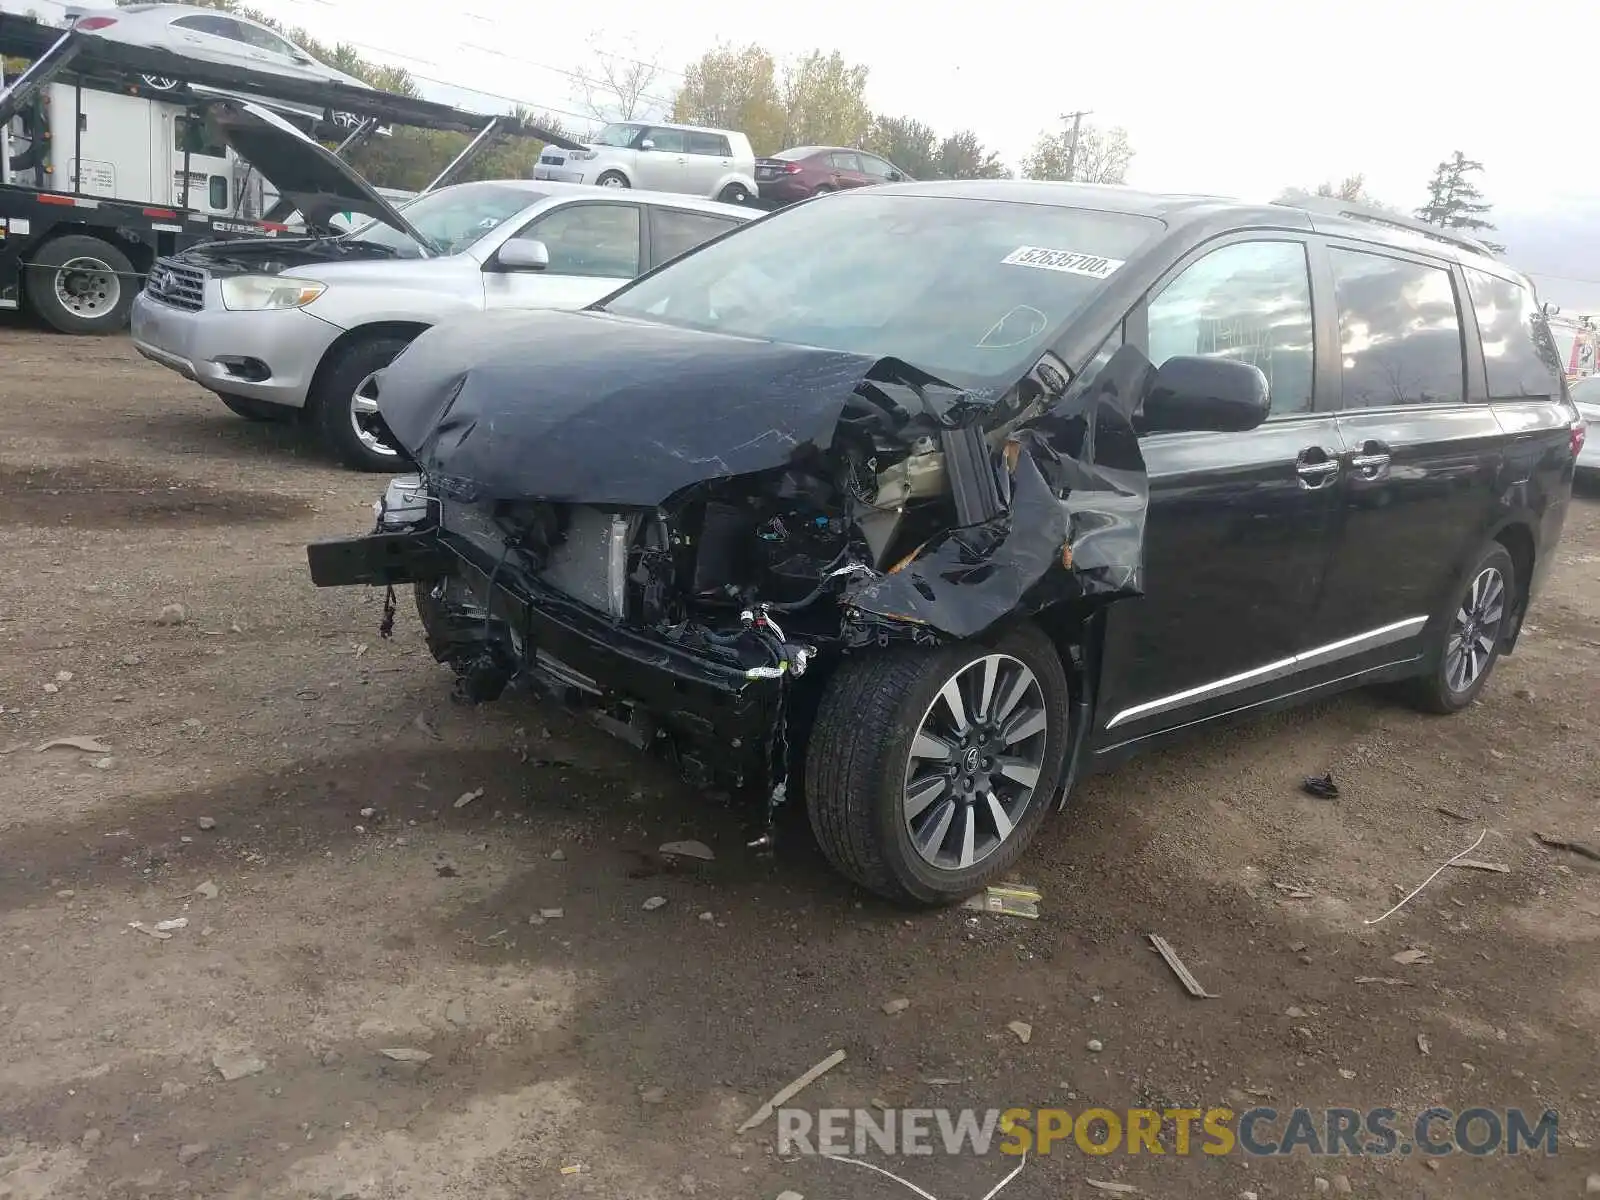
80	284
345	407
928	773
1470	636
257	410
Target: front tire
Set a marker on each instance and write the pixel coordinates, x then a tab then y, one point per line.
928	773
80	284
345	408
1472	630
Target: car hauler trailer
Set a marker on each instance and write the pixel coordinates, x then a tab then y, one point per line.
1577	341
105	165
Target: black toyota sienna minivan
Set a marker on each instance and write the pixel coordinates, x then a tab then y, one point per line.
916	503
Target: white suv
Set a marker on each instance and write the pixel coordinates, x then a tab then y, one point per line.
664	158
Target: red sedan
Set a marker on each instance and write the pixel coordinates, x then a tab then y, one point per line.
806	171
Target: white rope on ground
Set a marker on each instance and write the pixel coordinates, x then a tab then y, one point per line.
1429	880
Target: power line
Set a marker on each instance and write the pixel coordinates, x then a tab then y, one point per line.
519	100
560	71
1564	278
638	62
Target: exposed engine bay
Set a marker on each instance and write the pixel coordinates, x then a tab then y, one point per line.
707	530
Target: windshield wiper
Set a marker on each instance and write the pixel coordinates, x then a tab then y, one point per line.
388	250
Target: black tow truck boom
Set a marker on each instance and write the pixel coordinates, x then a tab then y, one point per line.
74	246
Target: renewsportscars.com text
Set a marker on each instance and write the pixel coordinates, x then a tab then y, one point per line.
1258	1132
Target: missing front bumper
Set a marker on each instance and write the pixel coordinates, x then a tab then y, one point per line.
688	695
379	558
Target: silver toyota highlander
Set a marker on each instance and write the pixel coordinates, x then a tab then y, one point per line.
286	326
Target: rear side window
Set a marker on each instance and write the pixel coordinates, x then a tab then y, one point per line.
1518	351
674	231
713	144
1250	301
1399	331
845	162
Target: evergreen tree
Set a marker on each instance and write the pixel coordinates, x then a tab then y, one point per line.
1454	200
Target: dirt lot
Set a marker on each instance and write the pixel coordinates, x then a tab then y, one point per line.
273	746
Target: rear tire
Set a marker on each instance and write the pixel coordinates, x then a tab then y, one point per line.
878	809
80	284
1471	631
734	193
343	420
613	179
257	410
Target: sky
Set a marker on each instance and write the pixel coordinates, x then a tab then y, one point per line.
1242	98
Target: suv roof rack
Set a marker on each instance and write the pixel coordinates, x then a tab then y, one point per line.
1353	210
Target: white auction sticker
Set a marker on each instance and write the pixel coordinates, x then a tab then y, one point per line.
1095	266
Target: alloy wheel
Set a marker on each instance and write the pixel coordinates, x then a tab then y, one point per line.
975	762
1474	630
364	417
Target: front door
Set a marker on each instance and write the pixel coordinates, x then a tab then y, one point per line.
1423	450
1240	525
664	165
847	169
594	247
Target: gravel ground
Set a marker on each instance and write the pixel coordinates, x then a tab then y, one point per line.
285	780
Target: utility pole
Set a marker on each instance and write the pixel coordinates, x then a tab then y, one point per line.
1072	139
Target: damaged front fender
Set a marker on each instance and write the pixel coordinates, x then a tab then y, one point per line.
1073	529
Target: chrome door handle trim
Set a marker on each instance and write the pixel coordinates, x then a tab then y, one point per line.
1369	462
1316	470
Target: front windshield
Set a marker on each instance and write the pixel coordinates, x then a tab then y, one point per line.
451	218
621	135
970	290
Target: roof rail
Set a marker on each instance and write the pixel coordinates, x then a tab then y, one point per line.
1353	210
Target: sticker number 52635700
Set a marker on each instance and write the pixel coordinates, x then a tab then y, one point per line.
1072	262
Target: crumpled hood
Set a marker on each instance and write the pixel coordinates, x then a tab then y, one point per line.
589	408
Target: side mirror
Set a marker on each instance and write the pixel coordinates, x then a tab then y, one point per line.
647	144
523	254
895	177
1191	394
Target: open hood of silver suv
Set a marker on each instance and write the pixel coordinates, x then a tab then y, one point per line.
313	178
